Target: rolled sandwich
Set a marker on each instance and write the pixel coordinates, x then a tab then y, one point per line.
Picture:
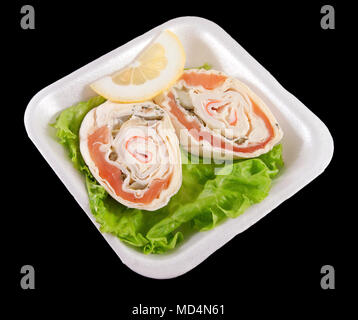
133	152
219	116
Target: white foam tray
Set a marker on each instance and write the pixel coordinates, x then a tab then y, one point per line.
307	143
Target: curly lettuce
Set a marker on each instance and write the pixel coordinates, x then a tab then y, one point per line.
210	193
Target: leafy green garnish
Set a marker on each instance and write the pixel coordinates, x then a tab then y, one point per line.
209	193
204	66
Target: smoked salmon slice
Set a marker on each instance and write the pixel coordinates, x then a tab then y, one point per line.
208	81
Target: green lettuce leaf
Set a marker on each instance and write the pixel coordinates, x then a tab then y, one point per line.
210	193
68	125
205	66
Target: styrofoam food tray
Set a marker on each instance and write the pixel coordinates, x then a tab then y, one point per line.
307	143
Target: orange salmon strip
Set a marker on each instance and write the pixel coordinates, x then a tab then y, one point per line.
195	128
208	81
112	174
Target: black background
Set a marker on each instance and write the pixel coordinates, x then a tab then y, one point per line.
272	266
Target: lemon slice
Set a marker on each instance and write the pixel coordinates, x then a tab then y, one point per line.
154	70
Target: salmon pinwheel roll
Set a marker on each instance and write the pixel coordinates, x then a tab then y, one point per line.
133	152
218	116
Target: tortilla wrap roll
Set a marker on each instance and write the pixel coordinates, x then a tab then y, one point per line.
133	152
218	116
